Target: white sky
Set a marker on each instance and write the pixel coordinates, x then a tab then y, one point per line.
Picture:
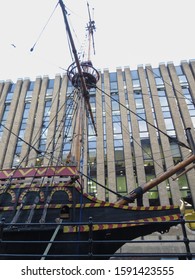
129	33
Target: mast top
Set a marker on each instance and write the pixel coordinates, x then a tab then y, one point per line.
90	74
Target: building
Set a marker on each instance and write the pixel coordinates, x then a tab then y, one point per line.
36	128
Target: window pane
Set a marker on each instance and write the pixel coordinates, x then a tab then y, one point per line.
169	124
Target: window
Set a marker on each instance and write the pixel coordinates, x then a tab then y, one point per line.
18	147
134	75
179	70
182	79
117	128
9	97
163	101
140	114
139	103
115	105
113	86
137	94
119	153
136	84
167	114
10	93
50	87
142	126
50	83
159	81
161	92
121	183
113	77
118	140
116	118
29	94
169	124
156	72
92	144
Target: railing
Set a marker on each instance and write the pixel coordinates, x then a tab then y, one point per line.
188	241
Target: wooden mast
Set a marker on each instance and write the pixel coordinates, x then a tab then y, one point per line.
79	79
79	75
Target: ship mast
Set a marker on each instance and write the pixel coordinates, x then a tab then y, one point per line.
90	28
83	77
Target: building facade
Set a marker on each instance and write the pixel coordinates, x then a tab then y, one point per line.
141	116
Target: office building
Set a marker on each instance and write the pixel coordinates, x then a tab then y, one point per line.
141	116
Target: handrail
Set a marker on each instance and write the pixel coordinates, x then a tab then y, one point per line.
184	239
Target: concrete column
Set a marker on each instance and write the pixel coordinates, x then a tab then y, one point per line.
16	127
186	122
9	122
53	128
1	88
192	66
174	187
138	155
189	75
3	97
30	122
100	144
126	135
156	153
109	139
38	123
59	134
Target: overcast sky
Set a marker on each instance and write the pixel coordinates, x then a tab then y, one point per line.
128	33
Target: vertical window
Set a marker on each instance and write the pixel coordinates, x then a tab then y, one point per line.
30	90
50	87
10	93
19	143
92	164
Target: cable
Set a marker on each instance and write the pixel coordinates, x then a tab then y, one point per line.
32	147
183	96
32	49
89	178
170	138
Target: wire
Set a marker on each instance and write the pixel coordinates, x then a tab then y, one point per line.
125	129
32	49
170	138
176	90
101	185
31	146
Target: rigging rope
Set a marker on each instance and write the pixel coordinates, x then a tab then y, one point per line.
43	28
170	138
135	141
117	194
18	137
172	86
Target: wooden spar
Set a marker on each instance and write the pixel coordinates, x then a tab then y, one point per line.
184	172
85	92
90	28
77	136
149	185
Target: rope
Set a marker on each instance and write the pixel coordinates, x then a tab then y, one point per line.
170	138
43	29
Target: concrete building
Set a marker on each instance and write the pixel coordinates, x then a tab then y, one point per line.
141	116
36	119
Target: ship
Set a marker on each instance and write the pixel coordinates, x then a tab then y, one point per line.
45	212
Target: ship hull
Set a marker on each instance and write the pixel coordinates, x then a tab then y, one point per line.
31	243
56	220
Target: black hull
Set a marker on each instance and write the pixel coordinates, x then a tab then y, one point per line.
20	244
79	225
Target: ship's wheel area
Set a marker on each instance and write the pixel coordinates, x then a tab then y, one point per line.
90	74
